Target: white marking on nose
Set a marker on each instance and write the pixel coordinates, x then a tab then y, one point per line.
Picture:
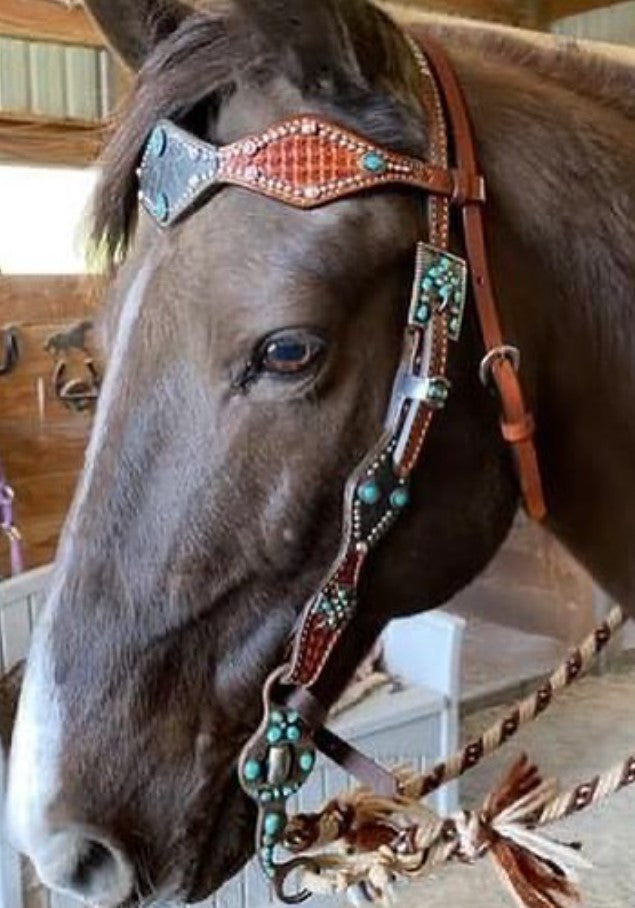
111	387
78	864
34	758
34	764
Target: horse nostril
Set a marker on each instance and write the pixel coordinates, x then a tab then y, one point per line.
90	867
95	859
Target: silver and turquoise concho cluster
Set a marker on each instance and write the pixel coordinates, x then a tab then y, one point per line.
272	773
441	287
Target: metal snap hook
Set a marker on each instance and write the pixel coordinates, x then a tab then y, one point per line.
282	872
10	349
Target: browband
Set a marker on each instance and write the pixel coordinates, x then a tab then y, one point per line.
305	162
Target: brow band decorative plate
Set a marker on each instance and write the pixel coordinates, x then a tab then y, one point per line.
304	161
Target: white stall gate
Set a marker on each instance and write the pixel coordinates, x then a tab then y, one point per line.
416	723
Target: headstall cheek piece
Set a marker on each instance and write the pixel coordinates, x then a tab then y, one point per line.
307	162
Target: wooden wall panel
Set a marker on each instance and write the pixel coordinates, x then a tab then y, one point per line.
28	138
42	442
48	20
527	13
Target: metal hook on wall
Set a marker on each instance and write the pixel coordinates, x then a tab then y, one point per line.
78	393
9	349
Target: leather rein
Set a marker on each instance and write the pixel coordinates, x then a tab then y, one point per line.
306	162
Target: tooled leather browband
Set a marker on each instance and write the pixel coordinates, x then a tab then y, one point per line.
305	162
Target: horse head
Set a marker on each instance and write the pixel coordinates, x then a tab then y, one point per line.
252	349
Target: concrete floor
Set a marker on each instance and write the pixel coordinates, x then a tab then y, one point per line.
589	729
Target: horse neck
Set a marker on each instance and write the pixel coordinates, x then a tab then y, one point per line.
562	243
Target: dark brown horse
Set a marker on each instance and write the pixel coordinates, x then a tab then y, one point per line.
252	351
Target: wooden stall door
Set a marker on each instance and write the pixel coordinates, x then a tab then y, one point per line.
42	439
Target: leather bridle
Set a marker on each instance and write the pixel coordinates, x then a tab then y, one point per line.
306	162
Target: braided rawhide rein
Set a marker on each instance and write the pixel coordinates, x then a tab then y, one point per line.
361	844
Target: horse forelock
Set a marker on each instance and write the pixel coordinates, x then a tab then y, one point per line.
213	53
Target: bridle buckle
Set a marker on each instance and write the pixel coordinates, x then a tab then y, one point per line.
506	352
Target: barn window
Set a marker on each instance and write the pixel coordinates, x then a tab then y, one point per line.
43	219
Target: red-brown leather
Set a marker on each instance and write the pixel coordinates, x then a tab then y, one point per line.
320	163
518	425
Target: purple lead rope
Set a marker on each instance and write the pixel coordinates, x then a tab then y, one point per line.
8	527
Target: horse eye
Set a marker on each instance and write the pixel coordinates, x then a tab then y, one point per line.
289	353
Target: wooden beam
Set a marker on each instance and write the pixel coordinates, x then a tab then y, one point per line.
560	9
27	299
27	138
48	20
506	11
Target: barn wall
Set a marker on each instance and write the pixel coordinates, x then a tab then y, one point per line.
61	81
42	439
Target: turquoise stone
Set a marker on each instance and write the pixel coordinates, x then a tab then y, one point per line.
369	492
158	142
374	162
161	207
438	392
252	771
423	314
288	790
307	761
277	718
274	823
400	497
266	797
292	717
274	734
293	733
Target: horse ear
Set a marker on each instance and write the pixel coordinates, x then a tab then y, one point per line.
133	28
314	32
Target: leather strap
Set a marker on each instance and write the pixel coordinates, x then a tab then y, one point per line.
354	762
518	426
